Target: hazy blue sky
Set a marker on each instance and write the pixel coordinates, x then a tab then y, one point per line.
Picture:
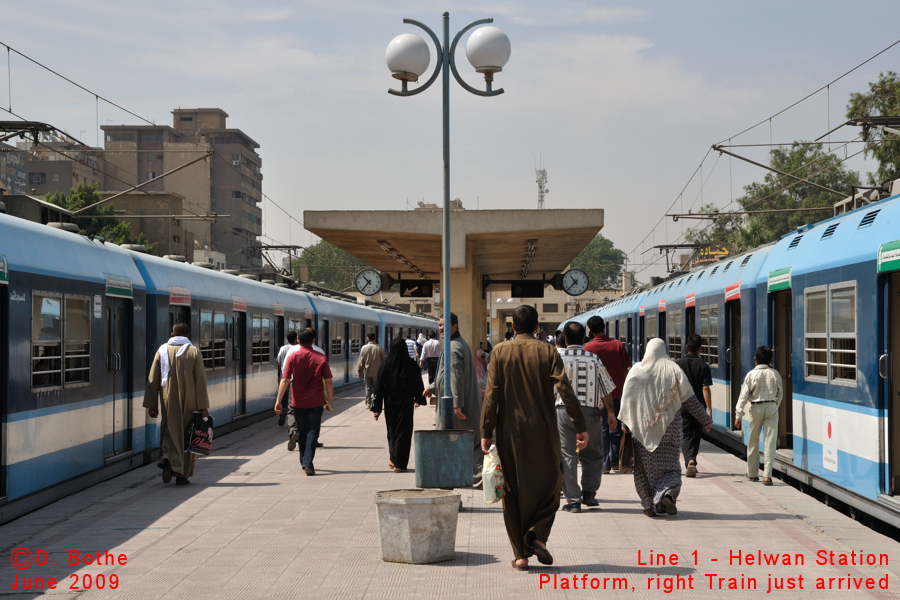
622	100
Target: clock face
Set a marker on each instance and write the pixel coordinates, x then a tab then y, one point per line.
575	282
368	281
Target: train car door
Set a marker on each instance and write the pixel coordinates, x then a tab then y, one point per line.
326	339
117	363
178	314
782	327
642	339
661	334
733	352
239	358
629	332
345	351
690	327
889	369
4	364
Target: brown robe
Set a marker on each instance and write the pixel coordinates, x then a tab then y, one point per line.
519	407
184	392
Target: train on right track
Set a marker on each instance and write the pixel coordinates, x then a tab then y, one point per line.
826	298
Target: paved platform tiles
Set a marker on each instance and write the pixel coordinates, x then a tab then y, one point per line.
252	525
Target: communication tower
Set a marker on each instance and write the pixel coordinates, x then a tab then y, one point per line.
541	179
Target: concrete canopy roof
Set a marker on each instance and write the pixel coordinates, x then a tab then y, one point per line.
498	238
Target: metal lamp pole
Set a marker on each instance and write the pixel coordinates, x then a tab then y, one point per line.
446	62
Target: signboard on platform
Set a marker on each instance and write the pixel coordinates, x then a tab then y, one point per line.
780	280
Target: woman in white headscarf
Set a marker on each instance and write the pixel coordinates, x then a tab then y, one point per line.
655	389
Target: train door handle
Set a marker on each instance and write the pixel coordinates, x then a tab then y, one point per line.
118	361
882	365
108	362
728	355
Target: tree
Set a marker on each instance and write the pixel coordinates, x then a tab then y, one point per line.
112	230
329	264
603	262
883	99
807	161
776	192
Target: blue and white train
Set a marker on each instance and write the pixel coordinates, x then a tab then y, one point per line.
80	320
826	297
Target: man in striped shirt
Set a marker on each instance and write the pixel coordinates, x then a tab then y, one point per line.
593	387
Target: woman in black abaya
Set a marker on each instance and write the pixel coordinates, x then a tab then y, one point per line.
399	386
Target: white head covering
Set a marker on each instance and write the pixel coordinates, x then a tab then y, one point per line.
164	367
421	339
654	391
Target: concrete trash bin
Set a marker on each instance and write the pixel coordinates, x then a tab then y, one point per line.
417	526
444	458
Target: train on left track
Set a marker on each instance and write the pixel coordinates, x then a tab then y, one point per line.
80	320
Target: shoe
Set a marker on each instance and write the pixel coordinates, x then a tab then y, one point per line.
589	499
181	481
282	418
572	507
649	512
519	567
606	472
309	471
320	445
767	481
399	470
543	555
752	478
292	442
691	470
669	503
167	471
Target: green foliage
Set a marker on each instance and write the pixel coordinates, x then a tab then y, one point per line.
329	264
110	229
603	263
882	99
776	192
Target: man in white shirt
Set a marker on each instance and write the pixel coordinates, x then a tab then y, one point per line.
760	397
431	351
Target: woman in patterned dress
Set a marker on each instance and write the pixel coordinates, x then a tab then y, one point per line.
655	390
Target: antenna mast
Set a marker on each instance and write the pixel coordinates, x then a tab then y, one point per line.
541	180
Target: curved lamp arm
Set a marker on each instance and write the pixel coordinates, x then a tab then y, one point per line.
459	79
437	67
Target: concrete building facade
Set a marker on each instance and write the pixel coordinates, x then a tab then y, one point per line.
58	167
227	183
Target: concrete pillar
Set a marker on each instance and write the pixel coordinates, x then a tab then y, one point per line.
466	301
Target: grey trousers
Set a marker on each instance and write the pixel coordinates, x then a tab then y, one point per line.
370	391
591	457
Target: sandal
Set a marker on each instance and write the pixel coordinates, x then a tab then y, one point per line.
519	567
543	555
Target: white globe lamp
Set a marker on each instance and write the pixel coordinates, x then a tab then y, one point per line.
488	50
407	57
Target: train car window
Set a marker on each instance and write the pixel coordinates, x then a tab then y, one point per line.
262	348
219	331
842	323
709	331
46	340
816	334
651	327
675	334
355	338
336	341
77	363
206	338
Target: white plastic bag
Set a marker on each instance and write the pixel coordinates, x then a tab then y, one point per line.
492	477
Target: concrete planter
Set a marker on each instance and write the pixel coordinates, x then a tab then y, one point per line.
417	526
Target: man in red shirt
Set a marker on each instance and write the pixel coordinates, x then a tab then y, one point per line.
615	358
305	371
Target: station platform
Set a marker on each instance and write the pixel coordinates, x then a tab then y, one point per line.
251	524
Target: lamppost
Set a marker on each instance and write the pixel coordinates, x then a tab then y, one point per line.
407	57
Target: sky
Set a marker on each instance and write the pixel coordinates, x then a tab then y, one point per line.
621	100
